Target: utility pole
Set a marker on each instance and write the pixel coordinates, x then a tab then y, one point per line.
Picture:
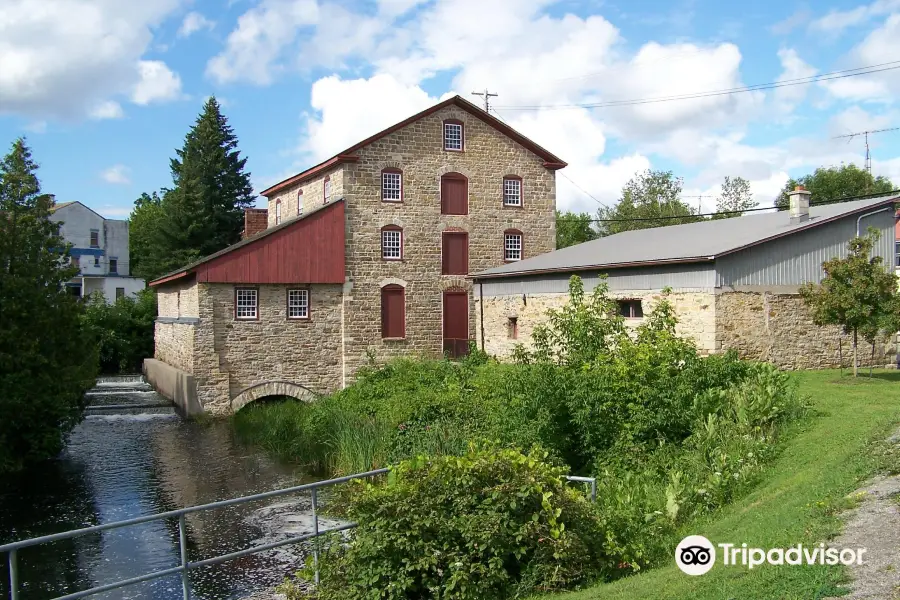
487	98
865	134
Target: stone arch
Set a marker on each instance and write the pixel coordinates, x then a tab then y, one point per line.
391	281
448	168
455	284
271	388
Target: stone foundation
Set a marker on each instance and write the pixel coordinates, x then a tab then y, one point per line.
778	328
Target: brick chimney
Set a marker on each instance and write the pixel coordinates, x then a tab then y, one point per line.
255	221
799	204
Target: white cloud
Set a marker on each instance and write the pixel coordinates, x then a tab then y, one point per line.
257	43
117	175
107	109
61	58
37	127
157	84
878	47
194	22
836	21
855	119
792	68
798	18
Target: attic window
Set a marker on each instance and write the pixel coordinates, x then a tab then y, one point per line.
327	190
278	212
299	202
453	135
630	309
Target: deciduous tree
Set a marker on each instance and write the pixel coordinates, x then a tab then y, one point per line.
573	228
47	359
857	293
649	199
834	183
735	197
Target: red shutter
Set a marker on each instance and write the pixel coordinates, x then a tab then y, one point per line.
393	312
454	194
455	254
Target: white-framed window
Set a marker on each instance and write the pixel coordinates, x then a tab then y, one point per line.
327	192
512	246
299	202
512	191
391	186
392	243
278	212
246	304
453	135
298	304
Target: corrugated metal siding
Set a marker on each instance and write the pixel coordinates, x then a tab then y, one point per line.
798	258
683	277
311	251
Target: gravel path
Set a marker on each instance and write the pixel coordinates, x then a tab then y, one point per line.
875	525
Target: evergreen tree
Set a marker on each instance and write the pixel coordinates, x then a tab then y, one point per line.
144	241
573	228
834	183
204	212
47	359
645	198
736	196
858	293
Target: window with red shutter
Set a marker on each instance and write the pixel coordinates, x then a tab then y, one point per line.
454	194
455	254
393	312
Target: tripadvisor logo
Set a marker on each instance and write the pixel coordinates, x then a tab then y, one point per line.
696	555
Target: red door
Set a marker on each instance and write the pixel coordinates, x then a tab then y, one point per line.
454	194
456	323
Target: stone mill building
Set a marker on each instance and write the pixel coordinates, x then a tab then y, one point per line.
365	254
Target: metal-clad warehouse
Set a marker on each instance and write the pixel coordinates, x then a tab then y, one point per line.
734	282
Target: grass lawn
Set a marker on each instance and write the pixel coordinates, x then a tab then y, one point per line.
797	502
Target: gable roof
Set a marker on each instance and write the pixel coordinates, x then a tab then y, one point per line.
689	243
551	161
252	240
62	205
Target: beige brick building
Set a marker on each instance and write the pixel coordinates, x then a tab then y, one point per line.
733	282
366	256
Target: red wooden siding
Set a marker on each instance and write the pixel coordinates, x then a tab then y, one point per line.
454	194
308	251
393	312
455	254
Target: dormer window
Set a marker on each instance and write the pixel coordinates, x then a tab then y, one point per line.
327	188
392	185
453	135
299	202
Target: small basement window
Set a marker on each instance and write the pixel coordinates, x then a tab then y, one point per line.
512	328
630	309
246	304
298	304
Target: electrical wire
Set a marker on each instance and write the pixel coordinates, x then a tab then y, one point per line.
881	67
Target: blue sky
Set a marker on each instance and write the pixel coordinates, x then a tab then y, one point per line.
105	90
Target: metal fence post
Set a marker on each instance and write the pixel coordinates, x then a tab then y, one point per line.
182	545
315	513
13	576
594	490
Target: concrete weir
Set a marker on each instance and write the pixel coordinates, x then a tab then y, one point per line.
174	384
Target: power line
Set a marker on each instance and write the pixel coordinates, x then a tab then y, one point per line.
888	66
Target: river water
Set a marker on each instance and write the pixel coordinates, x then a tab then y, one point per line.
126	463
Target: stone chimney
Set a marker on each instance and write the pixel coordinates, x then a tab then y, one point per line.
799	204
255	221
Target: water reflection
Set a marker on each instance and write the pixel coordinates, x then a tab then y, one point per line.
119	466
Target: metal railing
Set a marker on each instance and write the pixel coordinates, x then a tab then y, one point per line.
185	565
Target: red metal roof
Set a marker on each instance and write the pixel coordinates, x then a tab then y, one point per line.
551	161
307	249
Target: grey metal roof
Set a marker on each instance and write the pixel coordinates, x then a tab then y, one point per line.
693	242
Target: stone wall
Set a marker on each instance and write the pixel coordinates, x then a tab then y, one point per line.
177	300
174	344
778	328
313	195
417	150
233	355
695	312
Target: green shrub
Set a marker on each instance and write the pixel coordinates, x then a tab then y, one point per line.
124	330
490	524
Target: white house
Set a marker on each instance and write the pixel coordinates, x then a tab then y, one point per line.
100	249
